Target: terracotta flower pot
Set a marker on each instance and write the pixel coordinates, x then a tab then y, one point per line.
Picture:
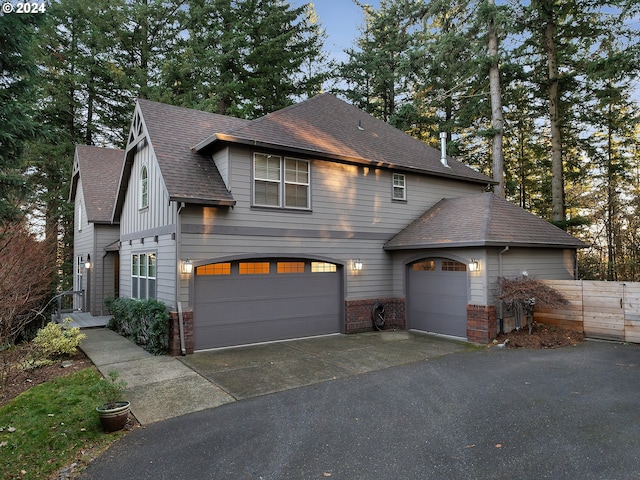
114	419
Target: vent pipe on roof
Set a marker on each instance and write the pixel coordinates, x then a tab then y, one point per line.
443	149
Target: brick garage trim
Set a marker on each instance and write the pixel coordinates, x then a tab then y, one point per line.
358	314
481	323
174	332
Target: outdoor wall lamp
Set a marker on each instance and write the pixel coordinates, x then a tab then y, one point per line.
186	267
87	264
356	264
474	265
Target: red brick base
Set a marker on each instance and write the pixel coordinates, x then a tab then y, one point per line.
481	323
358	314
174	333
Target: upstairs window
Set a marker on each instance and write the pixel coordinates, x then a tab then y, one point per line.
144	187
399	187
280	182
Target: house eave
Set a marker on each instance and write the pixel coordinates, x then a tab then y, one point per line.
203	201
206	146
484	244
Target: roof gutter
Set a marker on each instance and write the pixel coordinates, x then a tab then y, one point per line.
203	147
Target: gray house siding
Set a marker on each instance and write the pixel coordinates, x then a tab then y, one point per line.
352	214
82	245
150	229
547	264
102	274
91	239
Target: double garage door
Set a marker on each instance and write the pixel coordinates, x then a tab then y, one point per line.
251	301
437	296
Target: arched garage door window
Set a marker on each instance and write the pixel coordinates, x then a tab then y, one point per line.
437	296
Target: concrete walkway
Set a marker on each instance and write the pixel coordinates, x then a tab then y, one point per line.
159	387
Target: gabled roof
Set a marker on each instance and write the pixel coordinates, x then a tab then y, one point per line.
329	127
188	176
99	169
480	220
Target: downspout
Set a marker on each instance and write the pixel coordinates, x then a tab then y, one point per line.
183	350
500	307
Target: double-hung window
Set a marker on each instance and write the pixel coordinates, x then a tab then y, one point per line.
399	187
143	275
280	182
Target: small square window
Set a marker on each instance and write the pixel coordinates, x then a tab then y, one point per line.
290	267
399	187
253	268
214	269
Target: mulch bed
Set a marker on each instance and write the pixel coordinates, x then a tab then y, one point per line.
542	336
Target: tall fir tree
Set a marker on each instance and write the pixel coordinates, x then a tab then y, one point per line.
17	107
243	59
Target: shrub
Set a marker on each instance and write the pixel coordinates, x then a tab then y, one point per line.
145	322
57	340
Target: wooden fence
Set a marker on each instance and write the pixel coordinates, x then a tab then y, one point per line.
606	310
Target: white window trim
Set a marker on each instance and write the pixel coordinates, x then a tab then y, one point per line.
79	216
402	188
282	183
138	278
144	187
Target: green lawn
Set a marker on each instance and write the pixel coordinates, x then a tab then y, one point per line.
51	426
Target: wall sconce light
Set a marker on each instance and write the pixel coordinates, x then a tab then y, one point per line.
474	265
87	264
186	267
356	264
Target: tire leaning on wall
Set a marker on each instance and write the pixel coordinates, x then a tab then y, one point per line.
378	316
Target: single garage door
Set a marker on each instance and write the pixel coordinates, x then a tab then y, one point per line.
251	301
437	297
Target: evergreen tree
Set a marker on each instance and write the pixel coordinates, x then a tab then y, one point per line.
244	59
17	104
379	73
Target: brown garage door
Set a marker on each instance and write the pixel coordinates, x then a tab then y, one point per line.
251	301
437	298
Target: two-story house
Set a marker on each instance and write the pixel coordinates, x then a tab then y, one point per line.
300	222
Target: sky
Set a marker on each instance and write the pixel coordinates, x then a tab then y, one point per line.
341	20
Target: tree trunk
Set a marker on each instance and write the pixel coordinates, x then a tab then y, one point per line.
497	122
557	169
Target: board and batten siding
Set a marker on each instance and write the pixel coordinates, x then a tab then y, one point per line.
150	229
352	215
159	213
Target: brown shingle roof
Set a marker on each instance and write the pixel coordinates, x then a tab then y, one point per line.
480	220
189	176
327	126
99	168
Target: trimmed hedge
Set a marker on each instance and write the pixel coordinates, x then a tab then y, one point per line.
144	322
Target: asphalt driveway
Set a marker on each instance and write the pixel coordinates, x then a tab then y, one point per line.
478	414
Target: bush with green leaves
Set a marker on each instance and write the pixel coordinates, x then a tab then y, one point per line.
145	322
57	340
